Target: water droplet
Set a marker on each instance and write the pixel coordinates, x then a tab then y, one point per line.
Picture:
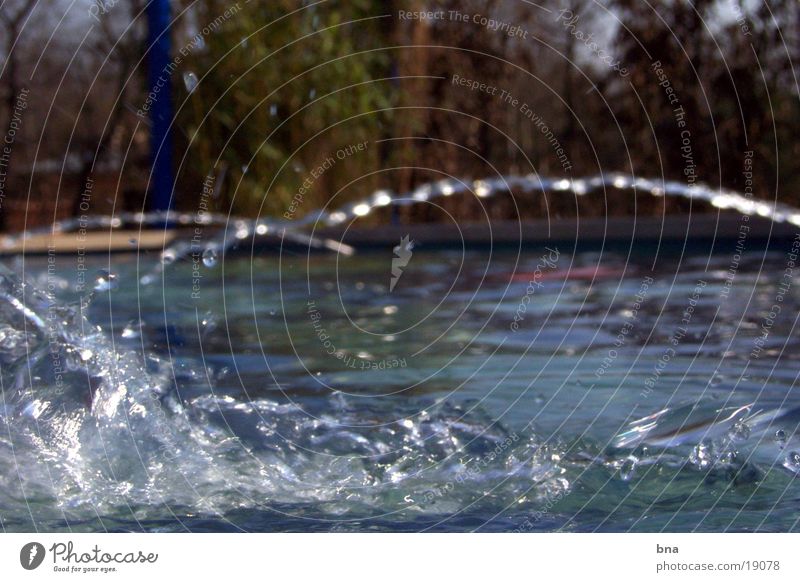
628	468
382	198
273	110
793	461
701	456
105	281
312	93
133	330
272	312
208	323
190	81
620	182
561	185
168	257
210	257
482	189
133	241
361	209
780	438
740	432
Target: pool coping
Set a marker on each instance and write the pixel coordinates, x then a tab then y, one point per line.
669	229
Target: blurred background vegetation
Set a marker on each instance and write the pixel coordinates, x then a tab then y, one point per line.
265	92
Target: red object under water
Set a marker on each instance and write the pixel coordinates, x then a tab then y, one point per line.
572	274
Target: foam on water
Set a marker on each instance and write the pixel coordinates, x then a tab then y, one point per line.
92	429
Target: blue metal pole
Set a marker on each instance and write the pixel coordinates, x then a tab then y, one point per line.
161	113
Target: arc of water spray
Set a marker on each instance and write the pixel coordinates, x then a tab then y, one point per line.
234	230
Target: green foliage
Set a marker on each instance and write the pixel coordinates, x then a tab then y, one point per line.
284	85
281	90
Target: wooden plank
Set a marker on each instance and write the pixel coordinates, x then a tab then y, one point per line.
113	241
671	229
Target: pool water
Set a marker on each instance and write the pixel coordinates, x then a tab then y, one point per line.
544	389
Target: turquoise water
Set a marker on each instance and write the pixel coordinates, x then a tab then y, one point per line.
490	390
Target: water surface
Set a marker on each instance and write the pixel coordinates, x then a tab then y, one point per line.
490	390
